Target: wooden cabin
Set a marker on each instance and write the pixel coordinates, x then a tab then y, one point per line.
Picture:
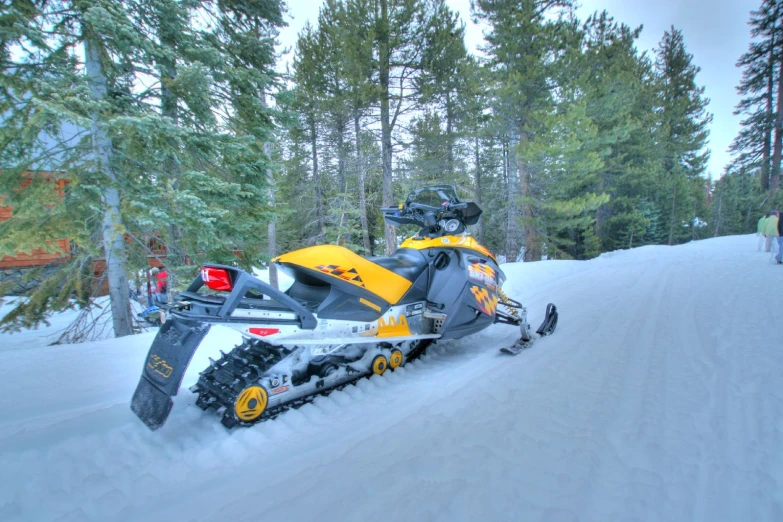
15	266
38	256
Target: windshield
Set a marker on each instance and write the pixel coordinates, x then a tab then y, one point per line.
434	196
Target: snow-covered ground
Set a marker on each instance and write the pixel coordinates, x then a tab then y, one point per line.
659	398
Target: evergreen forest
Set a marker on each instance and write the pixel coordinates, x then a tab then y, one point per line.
184	125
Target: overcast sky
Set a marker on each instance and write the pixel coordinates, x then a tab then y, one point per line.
715	31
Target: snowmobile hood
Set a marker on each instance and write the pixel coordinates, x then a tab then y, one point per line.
329	262
447	242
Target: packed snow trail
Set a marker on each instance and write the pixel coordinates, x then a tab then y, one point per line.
659	397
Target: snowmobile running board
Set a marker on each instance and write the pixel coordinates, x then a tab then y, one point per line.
367	340
188	323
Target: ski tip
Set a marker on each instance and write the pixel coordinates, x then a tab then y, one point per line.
516	349
550	321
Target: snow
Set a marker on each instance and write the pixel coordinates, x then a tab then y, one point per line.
658	398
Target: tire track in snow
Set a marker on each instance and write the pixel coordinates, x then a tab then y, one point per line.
626	479
740	418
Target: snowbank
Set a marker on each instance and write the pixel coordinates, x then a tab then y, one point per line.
660	397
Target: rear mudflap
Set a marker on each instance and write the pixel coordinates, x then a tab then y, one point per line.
164	368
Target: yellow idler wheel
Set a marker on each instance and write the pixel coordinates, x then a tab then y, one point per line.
251	403
396	359
379	364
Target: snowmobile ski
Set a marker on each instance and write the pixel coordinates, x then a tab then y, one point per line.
526	340
517	348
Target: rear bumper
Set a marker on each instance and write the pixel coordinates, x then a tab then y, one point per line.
219	309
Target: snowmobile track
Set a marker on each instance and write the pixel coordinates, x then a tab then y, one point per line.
221	383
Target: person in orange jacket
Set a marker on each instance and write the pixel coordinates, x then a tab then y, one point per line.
162	285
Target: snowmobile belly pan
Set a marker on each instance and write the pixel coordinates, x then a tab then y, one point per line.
164	368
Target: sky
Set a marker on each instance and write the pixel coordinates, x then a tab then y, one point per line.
716	33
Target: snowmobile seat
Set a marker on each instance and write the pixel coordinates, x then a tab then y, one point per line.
406	262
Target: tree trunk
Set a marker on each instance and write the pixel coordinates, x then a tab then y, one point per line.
271	229
479	226
694	223
167	33
168	107
717	220
362	196
530	241
340	125
112	228
765	170
601	213
774	179
319	209
671	219
386	137
449	139
512	226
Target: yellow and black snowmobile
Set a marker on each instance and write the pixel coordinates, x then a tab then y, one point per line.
345	316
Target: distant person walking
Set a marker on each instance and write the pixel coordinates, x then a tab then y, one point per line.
760	230
771	229
152	275
779	257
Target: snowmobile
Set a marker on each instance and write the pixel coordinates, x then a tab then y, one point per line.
345	317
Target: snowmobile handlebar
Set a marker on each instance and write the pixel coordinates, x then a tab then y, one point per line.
405	210
444	208
421	206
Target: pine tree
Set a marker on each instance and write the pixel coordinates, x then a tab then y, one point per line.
757	86
45	92
357	36
682	134
618	87
310	78
520	43
736	196
150	155
247	32
398	25
444	77
366	55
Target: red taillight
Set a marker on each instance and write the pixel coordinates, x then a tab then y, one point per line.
263	332
216	278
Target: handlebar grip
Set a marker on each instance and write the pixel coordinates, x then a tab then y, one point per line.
458	205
